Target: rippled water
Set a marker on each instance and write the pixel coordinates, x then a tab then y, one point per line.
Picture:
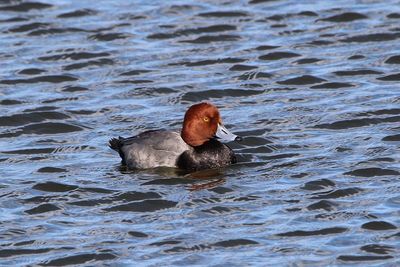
312	86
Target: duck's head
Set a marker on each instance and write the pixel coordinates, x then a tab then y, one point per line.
202	122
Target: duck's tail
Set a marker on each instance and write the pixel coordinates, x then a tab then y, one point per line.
116	144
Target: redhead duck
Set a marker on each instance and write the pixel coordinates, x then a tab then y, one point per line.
197	146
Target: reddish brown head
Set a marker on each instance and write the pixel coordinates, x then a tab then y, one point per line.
203	122
200	124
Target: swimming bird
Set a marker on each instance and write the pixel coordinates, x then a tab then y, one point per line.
196	147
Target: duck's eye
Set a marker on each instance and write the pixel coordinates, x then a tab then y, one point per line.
206	119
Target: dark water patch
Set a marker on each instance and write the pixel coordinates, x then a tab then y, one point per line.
252	75
308	14
72	89
42	79
5	253
78	13
278	55
96	190
31	71
51	31
213	38
299	175
241	67
133	196
320	42
24	243
13	19
371	172
45	128
40	109
323	205
395	137
82	112
30	151
302	80
98	63
378	249
319	184
394	236
29	27
375	37
347	192
54	187
347	124
107	37
25	7
209	94
166	242
364	258
211	62
266	47
392	77
235	243
208	29
255	141
135	82
307	60
51	170
137	234
9	102
261	1
356	57
150	205
134	72
385	159
74	56
393	16
62	99
356	72
345	17
43	208
393	60
79	259
223	14
25	118
378	226
325	231
276	17
332	85
258	150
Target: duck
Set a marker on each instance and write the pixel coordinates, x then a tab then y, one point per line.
197	146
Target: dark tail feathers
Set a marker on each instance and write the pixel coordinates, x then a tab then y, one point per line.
116	143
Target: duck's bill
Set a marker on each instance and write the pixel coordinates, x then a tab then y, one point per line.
225	135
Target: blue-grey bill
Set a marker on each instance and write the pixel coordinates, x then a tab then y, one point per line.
224	134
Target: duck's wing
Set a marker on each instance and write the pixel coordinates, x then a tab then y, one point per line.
150	149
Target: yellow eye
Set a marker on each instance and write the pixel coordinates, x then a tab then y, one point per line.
206	119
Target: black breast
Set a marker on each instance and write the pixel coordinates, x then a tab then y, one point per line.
210	155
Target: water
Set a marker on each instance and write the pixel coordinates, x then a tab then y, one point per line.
312	86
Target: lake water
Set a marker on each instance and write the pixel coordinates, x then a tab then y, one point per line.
312	86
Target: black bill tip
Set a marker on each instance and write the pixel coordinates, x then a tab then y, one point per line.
238	139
